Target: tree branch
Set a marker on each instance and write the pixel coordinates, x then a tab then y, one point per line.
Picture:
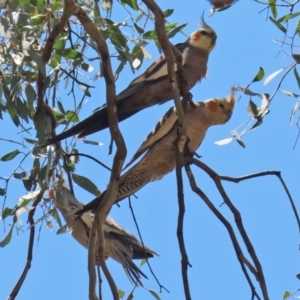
111	193
238	220
239	253
184	257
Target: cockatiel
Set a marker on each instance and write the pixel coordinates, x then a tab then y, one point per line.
152	87
161	145
120	244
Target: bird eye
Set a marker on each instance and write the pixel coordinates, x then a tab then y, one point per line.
203	32
222	105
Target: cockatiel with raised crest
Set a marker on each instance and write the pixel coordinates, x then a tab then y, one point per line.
160	146
152	87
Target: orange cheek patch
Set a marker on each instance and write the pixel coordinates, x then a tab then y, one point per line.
196	36
212	106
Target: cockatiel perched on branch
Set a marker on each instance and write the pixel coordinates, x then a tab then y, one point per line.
153	86
120	244
161	145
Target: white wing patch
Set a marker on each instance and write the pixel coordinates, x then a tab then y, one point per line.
161	129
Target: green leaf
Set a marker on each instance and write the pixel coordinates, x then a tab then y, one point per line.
61	108
60	44
286	294
131	3
297	77
241	143
139	29
10	155
295	108
143	261
130	297
296	58
298	276
121	293
252	109
92	143
272	4
74	158
298	28
154	294
69	53
31	141
62	229
171	26
260	75
30	94
86	184
150	35
53	212
2	192
7	212
288	17
176	30
85	89
7	239
72	116
19	175
290	94
36	57
278	25
168	12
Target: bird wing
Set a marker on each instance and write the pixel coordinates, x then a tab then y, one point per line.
162	128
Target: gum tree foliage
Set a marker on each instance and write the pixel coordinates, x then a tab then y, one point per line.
74	68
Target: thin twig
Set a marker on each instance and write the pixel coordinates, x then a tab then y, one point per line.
239	253
184	257
267	173
90	157
238	220
140	236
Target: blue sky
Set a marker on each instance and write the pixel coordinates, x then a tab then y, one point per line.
245	43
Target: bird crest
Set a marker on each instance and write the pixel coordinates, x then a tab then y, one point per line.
204	38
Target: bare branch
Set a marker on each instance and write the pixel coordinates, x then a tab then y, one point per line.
111	193
267	173
169	52
184	257
239	253
238	220
140	236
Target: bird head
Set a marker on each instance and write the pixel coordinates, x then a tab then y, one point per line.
204	38
220	109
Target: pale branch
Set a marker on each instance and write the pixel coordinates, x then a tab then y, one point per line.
169	55
267	173
239	253
184	257
110	280
111	193
238	220
140	237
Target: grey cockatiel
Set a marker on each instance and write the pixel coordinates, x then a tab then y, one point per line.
152	87
160	146
120	244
